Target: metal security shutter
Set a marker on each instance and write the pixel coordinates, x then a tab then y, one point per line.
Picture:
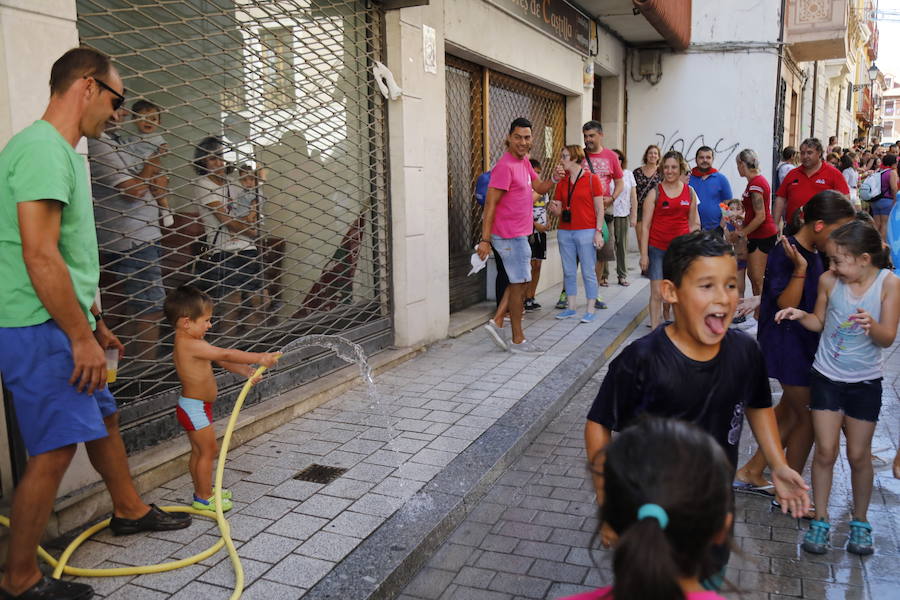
511	98
285	86
465	162
475	141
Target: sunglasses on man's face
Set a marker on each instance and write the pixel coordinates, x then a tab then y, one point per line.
119	99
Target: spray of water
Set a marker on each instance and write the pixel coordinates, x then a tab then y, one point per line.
349	352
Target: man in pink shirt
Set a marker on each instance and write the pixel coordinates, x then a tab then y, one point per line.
605	163
507	223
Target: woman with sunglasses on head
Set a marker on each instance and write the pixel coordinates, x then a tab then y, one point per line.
670	210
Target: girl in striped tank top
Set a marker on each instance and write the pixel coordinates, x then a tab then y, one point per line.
857	311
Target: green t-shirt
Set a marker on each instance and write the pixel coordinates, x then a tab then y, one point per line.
39	164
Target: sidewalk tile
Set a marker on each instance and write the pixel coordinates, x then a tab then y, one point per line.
322	505
296	525
299	571
353	524
295	490
223	573
328	546
269	548
263	589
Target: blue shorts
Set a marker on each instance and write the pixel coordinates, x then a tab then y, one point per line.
516	255
234	271
882	207
655	270
193	414
36	363
140	276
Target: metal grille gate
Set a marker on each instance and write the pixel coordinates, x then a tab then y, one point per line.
465	162
512	98
470	132
274	169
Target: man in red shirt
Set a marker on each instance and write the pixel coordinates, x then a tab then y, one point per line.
799	185
605	163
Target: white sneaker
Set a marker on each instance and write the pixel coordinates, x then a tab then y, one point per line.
496	335
526	348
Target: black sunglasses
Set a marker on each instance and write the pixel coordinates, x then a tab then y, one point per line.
119	98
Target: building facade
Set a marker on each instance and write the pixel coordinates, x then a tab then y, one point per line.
354	129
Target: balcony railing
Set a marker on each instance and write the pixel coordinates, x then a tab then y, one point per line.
817	29
864	108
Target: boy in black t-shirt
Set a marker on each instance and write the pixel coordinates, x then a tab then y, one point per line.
696	369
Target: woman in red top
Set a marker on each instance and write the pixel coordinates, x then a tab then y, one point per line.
759	227
578	201
669	211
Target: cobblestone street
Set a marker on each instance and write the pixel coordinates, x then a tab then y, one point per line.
533	534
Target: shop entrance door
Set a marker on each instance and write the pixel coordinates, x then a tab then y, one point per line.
465	162
475	141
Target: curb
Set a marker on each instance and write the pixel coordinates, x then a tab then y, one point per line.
390	557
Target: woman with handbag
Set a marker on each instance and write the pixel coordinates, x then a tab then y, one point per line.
229	269
578	202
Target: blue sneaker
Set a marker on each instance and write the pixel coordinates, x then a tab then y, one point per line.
566	314
588	318
860	538
816	539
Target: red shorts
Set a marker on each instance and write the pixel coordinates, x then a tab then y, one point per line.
194	414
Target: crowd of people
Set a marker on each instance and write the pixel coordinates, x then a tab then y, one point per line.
131	189
663	485
821	334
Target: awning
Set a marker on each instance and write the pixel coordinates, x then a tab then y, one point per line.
671	18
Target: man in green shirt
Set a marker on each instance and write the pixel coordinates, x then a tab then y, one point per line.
52	336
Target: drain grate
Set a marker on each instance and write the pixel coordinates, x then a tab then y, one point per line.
320	473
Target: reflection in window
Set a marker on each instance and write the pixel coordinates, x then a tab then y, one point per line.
277	58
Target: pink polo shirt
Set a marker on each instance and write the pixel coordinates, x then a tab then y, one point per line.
513	217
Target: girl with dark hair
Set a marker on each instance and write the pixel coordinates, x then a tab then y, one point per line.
666	504
792	280
857	312
646	178
851	176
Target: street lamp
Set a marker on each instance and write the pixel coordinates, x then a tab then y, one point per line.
873	75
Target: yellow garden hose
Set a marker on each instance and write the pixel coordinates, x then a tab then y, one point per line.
61	568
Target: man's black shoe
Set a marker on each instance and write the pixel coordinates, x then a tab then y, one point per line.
155	520
48	588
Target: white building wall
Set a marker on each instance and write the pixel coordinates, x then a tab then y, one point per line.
32	36
707	96
418	143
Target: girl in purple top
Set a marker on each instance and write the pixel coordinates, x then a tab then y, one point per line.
792	280
665	504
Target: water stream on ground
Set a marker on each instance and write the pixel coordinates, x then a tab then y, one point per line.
351	352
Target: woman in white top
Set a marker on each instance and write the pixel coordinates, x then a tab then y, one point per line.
231	270
624	214
851	175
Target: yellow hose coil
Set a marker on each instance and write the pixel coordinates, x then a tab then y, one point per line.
61	568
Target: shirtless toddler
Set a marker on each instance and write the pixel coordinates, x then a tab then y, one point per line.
189	311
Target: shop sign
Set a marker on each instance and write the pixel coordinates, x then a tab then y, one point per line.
556	18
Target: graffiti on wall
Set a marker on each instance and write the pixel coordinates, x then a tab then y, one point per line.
723	149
